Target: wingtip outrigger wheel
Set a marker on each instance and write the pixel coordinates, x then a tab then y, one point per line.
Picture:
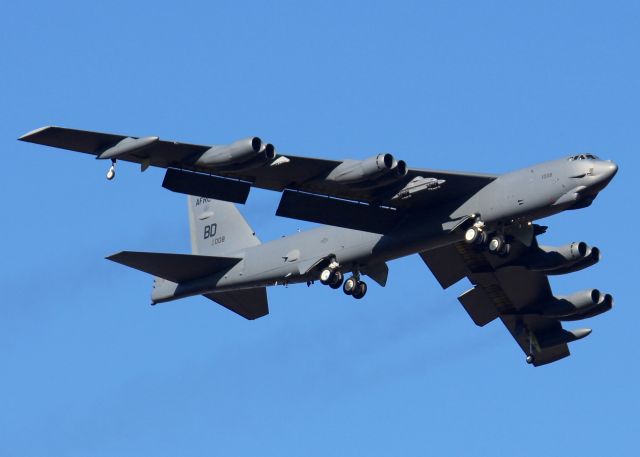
112	170
530	357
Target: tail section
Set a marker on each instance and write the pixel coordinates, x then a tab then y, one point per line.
217	228
219	234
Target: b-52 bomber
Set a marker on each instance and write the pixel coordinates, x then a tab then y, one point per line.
473	225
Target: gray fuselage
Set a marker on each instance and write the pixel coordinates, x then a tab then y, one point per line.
513	198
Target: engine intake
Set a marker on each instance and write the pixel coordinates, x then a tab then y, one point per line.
242	154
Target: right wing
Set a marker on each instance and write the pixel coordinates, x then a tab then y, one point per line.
504	287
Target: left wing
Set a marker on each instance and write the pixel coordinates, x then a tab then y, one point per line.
198	170
516	289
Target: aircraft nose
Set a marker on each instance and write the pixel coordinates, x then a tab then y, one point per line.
606	170
609	169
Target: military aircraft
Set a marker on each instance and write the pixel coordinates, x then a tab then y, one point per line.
473	225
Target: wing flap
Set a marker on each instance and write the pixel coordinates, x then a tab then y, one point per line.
339	213
200	185
479	306
248	303
176	268
446	265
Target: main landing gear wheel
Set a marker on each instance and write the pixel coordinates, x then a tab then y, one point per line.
350	286
499	246
360	290
338	277
326	276
530	359
474	235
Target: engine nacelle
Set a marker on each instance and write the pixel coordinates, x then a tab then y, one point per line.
572	305
239	155
373	169
605	304
564	259
591	258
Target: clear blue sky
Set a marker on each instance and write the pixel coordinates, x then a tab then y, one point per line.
89	368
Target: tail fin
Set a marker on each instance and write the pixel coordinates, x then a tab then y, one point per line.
217	227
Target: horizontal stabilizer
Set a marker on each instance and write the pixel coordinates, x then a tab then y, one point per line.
249	303
177	268
201	185
339	213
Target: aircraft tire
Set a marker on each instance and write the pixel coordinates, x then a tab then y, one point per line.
496	244
360	290
326	276
349	286
338	278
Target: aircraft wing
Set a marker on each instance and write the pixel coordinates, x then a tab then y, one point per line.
506	289
304	176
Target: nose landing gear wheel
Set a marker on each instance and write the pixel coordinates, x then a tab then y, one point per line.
360	290
530	359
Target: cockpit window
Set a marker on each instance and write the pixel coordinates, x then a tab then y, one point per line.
583	157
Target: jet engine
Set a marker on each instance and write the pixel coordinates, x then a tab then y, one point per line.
605	304
240	155
564	259
577	306
376	170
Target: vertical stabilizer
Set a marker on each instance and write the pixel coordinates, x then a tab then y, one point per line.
217	228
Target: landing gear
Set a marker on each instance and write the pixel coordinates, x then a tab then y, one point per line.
338	277
353	286
475	235
112	170
530	357
478	236
350	285
360	290
498	245
331	277
326	276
